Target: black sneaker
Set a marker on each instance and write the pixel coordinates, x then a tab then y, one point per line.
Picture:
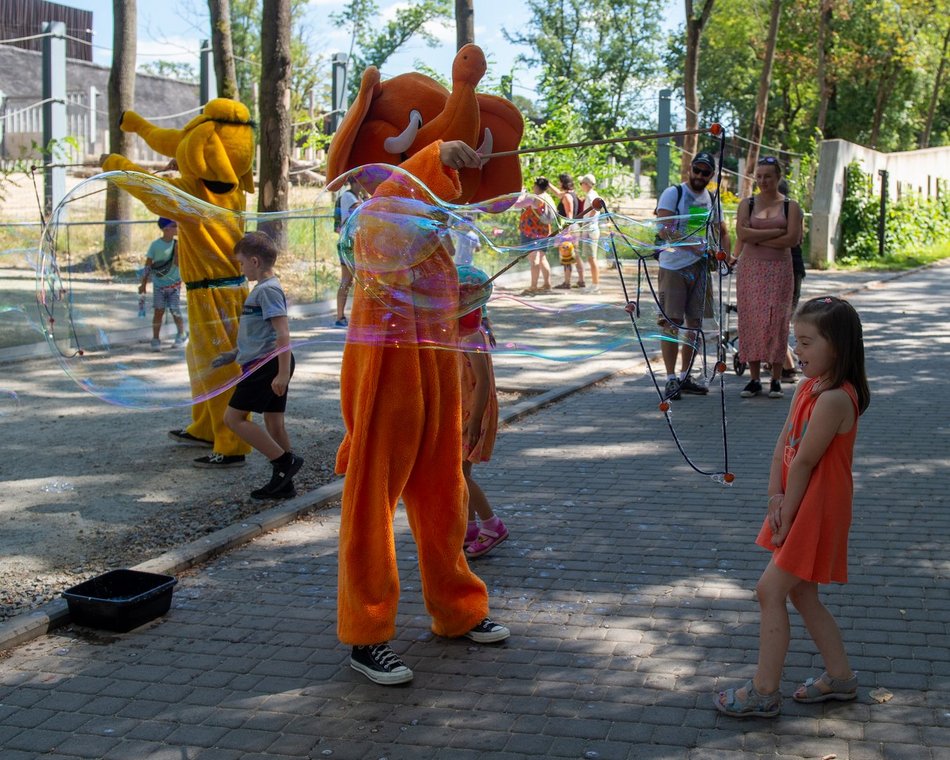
688	385
775	389
187	439
789	376
672	389
283	474
220	461
287	492
488	632
380	664
754	388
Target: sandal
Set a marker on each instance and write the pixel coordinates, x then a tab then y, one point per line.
486	541
755	704
840	690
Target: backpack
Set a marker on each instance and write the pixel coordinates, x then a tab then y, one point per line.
161	270
338	214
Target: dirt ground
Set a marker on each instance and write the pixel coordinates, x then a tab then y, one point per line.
88	486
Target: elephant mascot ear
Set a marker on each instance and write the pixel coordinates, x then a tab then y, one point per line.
341	146
500	175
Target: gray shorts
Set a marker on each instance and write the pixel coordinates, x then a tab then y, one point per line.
168	297
682	294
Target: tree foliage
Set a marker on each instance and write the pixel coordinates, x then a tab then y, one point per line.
373	44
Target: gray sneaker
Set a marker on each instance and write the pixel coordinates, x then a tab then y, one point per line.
672	390
156	344
688	385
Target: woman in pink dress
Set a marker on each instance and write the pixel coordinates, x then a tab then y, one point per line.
768	224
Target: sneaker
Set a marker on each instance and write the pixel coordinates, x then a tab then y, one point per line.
754	388
380	664
775	389
486	540
281	476
187	439
180	339
156	344
341	322
488	632
688	385
672	389
287	492
593	289
220	461
789	376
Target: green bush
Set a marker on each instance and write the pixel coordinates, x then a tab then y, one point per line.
911	224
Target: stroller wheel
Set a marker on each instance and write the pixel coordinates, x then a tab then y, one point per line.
738	366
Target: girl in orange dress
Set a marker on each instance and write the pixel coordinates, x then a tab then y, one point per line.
809	510
479	427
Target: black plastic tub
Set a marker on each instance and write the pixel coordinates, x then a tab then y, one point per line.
120	600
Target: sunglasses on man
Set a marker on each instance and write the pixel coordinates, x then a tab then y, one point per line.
700	171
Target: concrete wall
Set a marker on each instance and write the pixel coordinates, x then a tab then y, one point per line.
911	171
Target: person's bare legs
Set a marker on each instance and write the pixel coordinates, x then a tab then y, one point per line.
594	271
253	434
477	501
534	260
772	591
580	273
274	422
755	370
545	268
157	316
823	629
688	350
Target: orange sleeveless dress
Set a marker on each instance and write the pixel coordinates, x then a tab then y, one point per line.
816	548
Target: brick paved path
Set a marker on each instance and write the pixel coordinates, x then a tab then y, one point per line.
627	583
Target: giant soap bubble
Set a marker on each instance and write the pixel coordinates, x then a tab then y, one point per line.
400	247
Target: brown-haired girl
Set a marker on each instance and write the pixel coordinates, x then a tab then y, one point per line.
809	510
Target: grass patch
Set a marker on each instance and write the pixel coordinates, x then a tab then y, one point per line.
914	257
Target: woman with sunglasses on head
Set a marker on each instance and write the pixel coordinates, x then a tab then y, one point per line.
767	226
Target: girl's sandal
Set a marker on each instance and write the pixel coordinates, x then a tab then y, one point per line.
825	688
486	541
755	704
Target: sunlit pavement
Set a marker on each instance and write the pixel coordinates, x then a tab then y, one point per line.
627	582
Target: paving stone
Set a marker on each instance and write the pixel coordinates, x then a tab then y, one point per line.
628	582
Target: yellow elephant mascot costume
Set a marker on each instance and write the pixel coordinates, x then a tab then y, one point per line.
401	401
214	152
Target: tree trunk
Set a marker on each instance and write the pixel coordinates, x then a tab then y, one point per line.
117	240
694	36
222	48
885	87
761	100
935	97
826	12
464	23
275	103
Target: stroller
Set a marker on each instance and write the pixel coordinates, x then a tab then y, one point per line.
730	333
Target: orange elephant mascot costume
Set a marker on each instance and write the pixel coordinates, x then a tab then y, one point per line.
401	401
214	152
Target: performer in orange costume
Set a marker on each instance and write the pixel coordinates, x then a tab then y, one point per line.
402	403
214	152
